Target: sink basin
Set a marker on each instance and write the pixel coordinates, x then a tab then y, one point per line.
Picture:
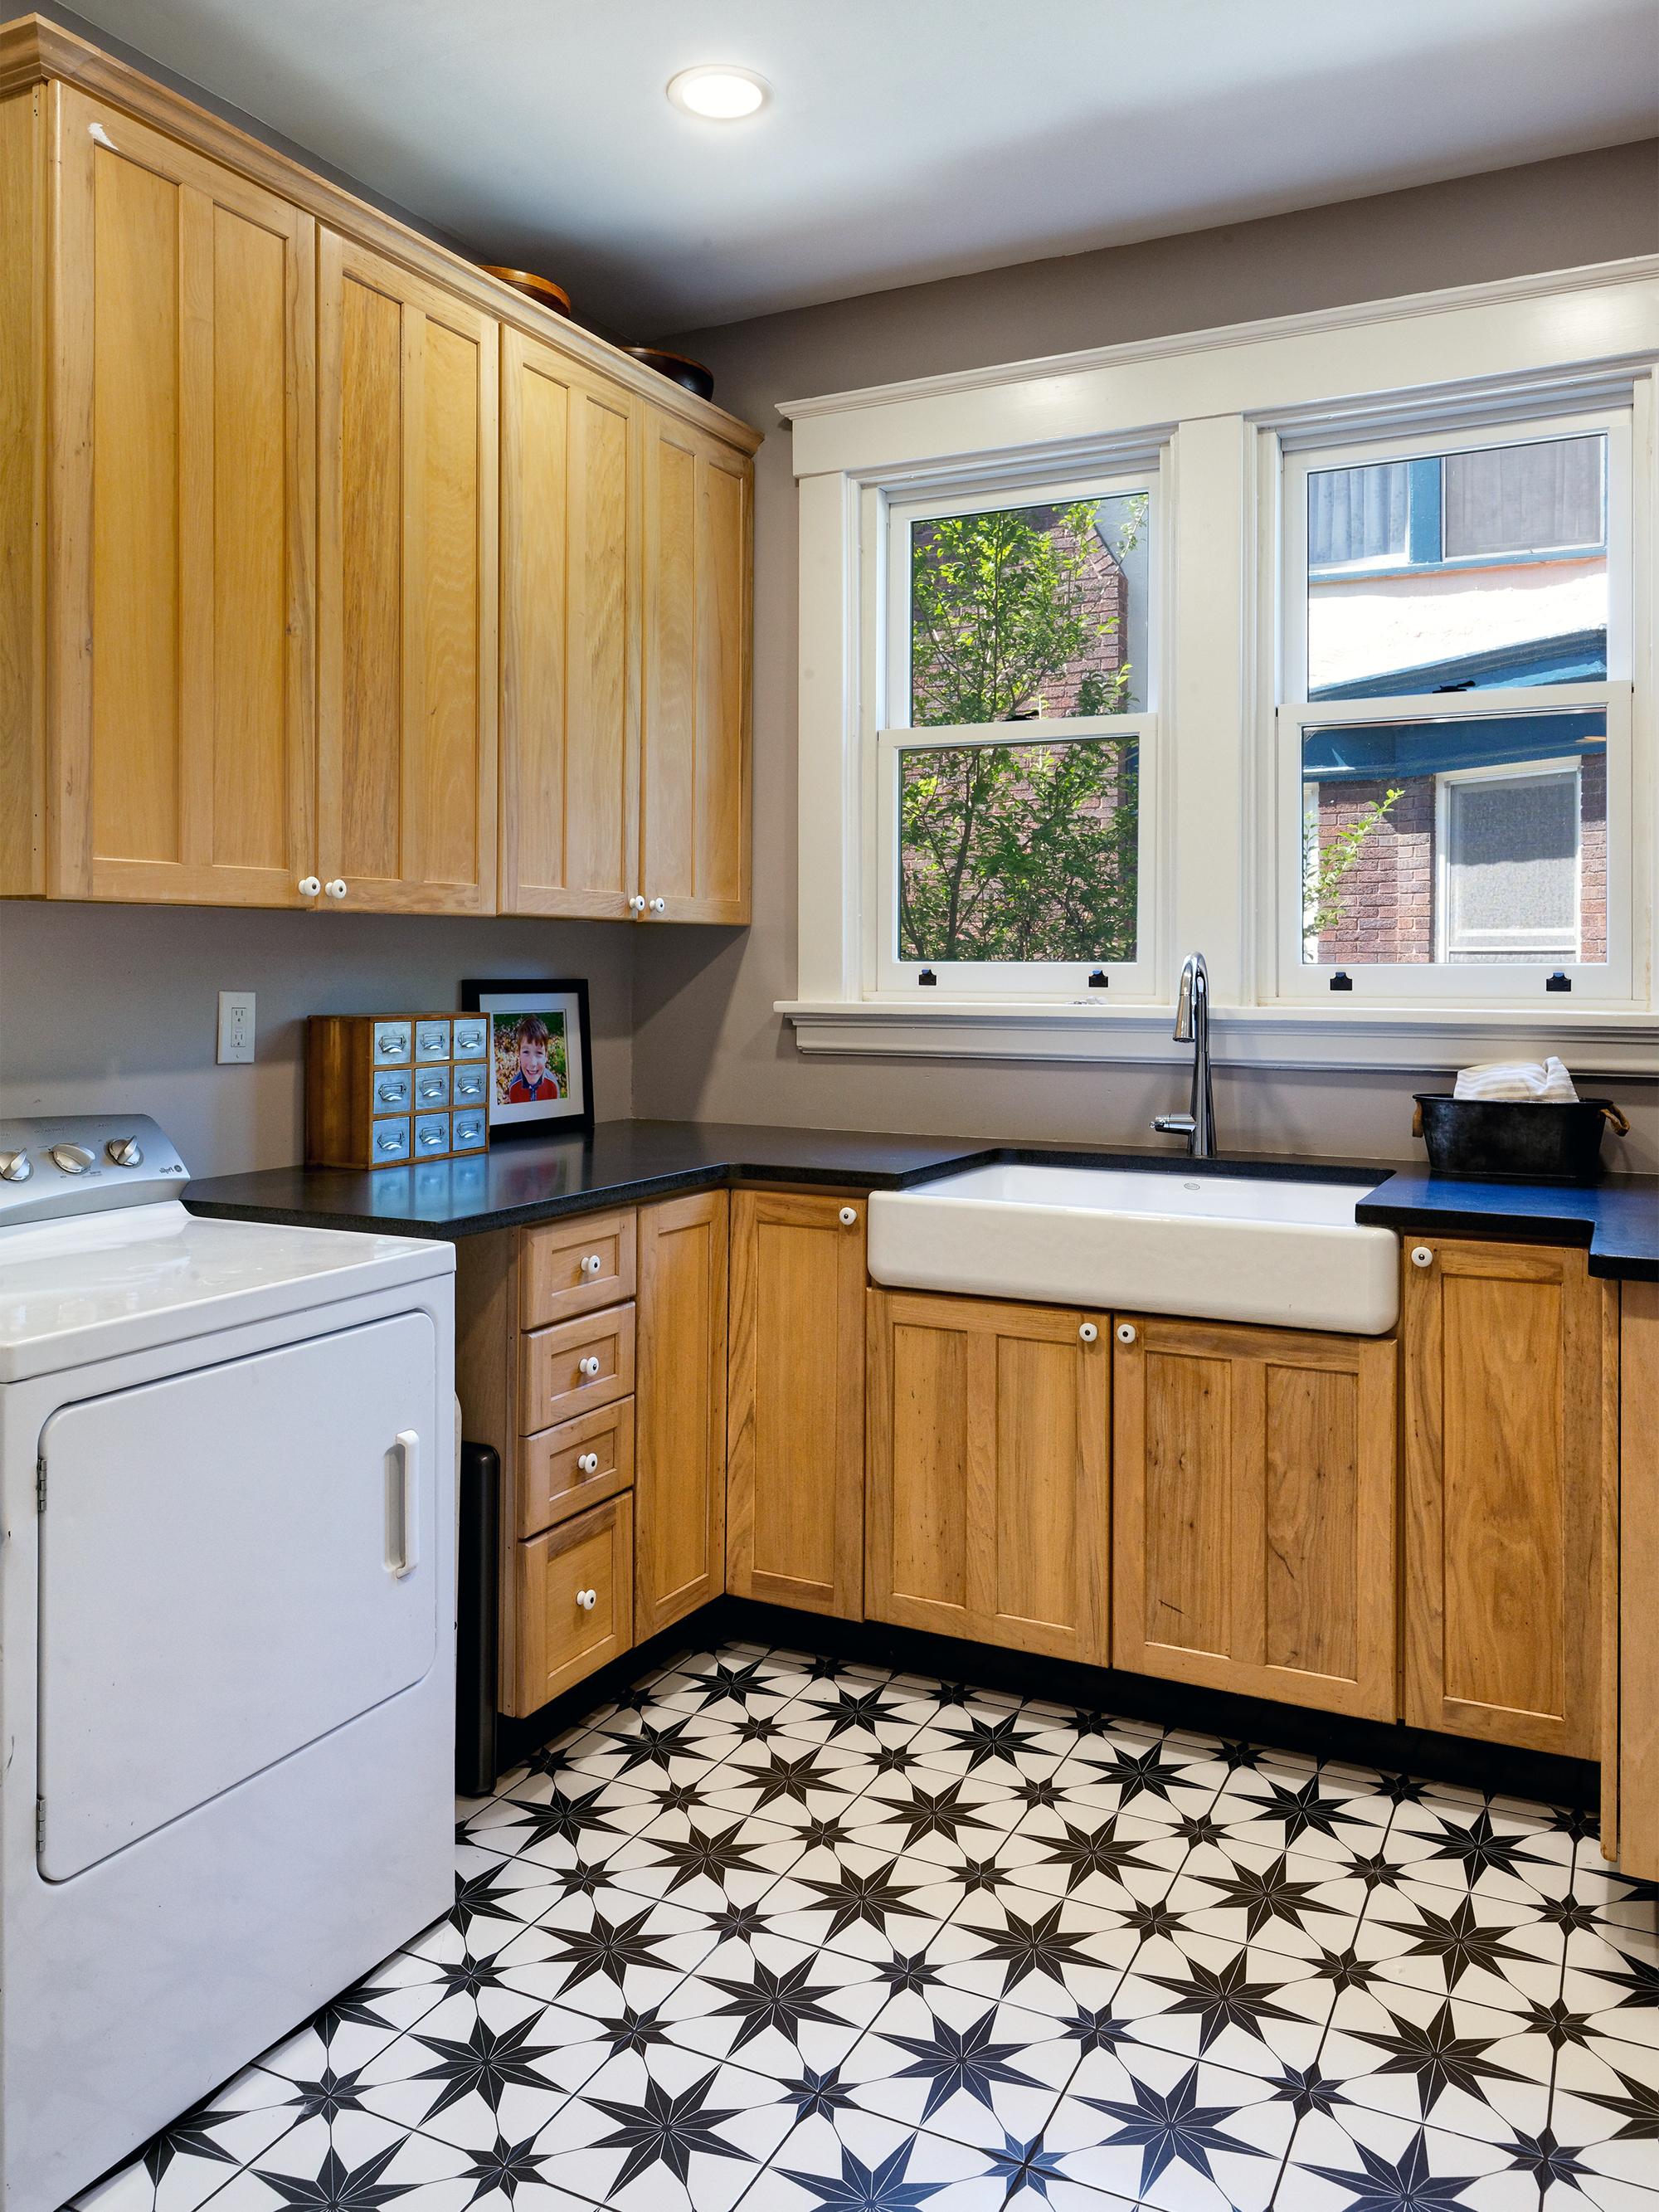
1146	1240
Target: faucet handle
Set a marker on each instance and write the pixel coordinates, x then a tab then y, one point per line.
1174	1125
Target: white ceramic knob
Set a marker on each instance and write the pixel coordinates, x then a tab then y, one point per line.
659	906
850	1214
589	1462
588	1366
310	886
637	904
592	1263
1126	1332
1088	1332
1422	1256
335	887
587	1600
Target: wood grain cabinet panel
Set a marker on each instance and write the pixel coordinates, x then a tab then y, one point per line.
1507	1352
694	738
563	1470
794	1485
986	1472
183	503
569	1268
1254	1512
570	627
574	1366
407	586
575	1600
1630	1821
680	1412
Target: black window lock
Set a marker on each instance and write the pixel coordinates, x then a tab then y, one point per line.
1558	981
927	976
1342	981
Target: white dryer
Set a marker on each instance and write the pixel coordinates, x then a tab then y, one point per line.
227	1634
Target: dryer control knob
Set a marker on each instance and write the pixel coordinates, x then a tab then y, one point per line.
125	1152
15	1167
74	1159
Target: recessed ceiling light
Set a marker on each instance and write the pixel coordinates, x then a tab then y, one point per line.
718	92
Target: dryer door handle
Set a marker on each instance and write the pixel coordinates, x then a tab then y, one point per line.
402	1506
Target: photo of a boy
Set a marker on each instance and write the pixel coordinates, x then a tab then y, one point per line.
532	1080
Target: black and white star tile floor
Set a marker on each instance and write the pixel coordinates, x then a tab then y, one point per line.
780	1934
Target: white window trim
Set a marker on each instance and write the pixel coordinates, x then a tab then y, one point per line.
1505	772
1218	404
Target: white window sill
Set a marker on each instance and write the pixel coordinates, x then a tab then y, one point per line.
1593	1042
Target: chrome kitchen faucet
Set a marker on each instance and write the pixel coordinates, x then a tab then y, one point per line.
1192	1026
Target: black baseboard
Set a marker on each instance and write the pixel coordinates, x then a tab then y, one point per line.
1495	1768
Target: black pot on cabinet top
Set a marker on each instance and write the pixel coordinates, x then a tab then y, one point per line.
690	375
1515	1139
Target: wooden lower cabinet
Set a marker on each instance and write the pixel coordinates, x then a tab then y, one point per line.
988	1471
1253	1511
575	1600
1630	1824
1511	1364
795	1478
680	1408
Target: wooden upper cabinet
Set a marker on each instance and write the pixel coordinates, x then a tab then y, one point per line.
1510	1376
694	771
795	1478
679	1436
181	494
570	626
988	1471
406	582
1254	1512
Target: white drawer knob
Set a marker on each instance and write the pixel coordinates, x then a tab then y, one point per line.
1126	1332
590	1365
1422	1256
589	1462
335	887
850	1214
587	1600
592	1263
659	906
637	904
1088	1332
310	886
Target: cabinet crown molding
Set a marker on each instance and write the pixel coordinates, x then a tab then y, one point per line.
33	52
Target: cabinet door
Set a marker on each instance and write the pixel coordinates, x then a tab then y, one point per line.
407	377
987	1455
694	764
569	637
184	503
794	1482
1633	1800
680	1409
1253	1478
575	1600
1507	1352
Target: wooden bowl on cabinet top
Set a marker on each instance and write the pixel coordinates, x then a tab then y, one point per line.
542	289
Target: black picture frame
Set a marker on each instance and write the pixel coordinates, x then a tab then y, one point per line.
509	999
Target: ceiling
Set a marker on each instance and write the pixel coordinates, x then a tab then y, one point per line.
909	139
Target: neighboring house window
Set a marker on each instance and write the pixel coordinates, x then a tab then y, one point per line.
1454	745
1011	768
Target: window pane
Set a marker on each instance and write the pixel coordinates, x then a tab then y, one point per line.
1027	610
1018	852
1461	839
1495	574
1357	514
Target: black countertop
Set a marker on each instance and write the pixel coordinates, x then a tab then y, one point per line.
623	1163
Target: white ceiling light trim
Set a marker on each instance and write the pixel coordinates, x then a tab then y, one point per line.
720	92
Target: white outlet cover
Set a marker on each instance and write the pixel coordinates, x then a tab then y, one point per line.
235	1027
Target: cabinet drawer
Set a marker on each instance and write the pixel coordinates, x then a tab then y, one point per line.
431	1088
575	1600
576	1266
564	1470
555	1383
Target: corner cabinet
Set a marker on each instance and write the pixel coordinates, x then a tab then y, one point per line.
1253	1507
282	621
177	764
795	1454
1510	1413
988	1463
406	590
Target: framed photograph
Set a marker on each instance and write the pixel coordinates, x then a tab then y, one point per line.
541	1056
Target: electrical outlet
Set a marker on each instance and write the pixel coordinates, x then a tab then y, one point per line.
236	1026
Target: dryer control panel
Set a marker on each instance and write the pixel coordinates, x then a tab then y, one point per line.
54	1165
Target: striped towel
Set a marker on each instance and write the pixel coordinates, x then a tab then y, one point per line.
1539	1079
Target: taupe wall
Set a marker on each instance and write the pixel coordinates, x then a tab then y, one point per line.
116	1007
706	1042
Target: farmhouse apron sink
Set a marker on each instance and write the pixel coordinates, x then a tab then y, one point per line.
1219	1247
